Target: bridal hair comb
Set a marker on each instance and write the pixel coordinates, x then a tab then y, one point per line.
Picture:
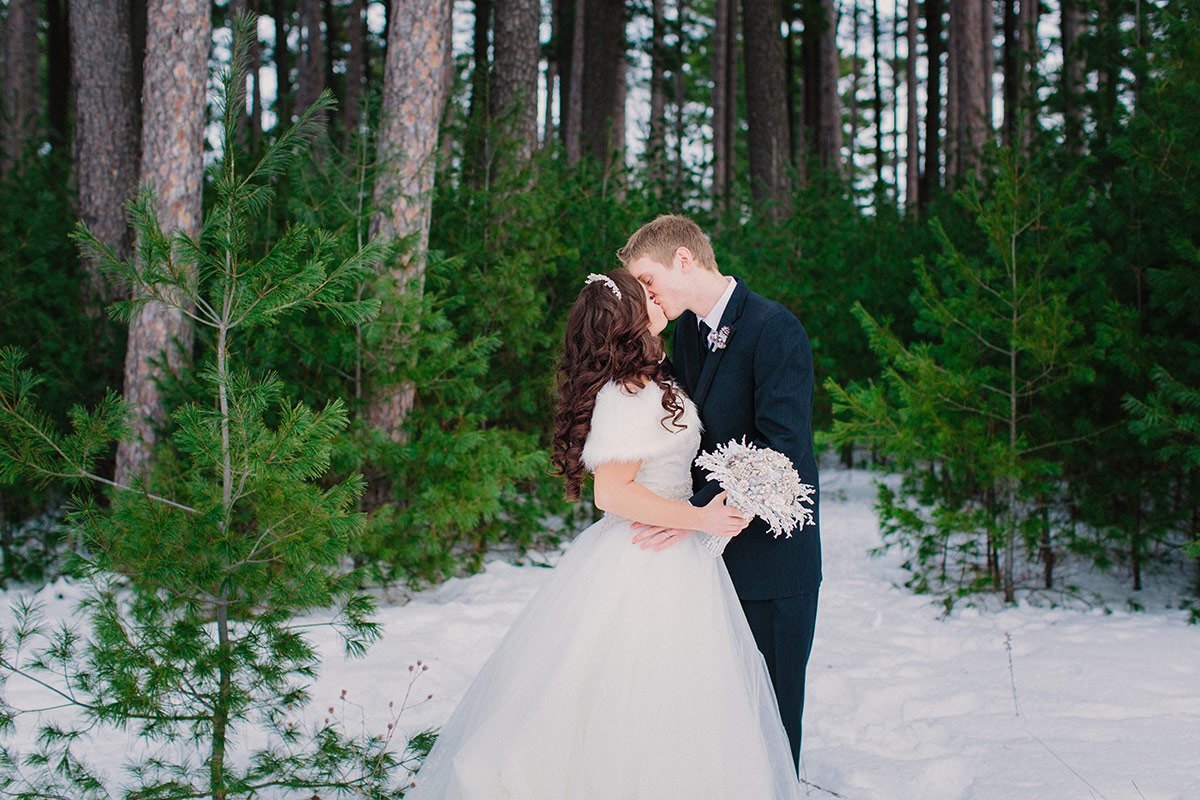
612	285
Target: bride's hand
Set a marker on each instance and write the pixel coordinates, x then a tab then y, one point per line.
723	520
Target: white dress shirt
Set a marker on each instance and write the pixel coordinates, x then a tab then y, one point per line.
713	318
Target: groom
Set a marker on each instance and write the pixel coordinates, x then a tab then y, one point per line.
746	363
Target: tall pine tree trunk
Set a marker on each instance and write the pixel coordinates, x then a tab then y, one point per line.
968	120
912	155
1072	75
106	141
21	93
1027	21
515	72
931	175
797	129
822	68
355	67
679	100
139	11
1008	62
855	79
573	129
283	65
953	71
877	102
58	72
766	107
724	93
553	52
620	95
477	166
989	63
603	56
330	44
657	139
172	162
829	122
414	94
310	65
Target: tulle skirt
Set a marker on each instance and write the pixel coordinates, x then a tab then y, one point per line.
630	675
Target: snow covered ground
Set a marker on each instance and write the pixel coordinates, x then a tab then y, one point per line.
1025	703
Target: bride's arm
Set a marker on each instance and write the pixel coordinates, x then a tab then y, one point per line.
618	492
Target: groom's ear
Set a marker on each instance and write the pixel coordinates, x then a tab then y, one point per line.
685	257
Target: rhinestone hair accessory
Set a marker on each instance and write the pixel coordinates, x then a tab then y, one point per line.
609	282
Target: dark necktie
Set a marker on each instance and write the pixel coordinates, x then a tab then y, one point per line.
704	348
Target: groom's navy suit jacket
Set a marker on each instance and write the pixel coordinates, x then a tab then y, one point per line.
759	386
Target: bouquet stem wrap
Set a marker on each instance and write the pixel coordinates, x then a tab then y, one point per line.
762	482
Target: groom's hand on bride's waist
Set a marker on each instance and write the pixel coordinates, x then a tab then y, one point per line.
654	537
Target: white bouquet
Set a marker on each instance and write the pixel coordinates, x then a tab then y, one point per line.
762	482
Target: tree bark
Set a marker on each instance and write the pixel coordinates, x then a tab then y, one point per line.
310	65
731	83
513	99
953	70
1027	21
657	140
931	175
476	147
912	144
21	93
822	115
620	95
553	55
724	96
330	41
573	129
678	99
829	121
58	73
138	20
355	68
855	77
172	162
766	107
414	94
968	118
1072	75
106	142
283	65
1008	62
603	53
989	62
877	102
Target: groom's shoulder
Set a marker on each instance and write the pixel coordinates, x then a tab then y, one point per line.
766	311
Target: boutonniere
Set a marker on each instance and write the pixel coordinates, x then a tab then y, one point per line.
719	338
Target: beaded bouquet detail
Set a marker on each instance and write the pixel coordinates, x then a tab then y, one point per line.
762	482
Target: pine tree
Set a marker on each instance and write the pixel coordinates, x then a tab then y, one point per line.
965	413
1169	420
200	571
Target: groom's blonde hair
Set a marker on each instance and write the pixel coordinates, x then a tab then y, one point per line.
660	238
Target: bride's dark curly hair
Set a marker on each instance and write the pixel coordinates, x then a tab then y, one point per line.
607	339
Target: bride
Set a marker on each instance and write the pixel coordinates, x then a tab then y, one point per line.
632	674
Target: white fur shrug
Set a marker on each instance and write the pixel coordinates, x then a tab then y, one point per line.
627	426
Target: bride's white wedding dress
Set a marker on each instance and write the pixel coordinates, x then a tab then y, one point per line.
632	674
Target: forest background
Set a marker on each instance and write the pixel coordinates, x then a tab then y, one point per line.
984	213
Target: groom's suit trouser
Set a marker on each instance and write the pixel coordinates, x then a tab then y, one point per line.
783	628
